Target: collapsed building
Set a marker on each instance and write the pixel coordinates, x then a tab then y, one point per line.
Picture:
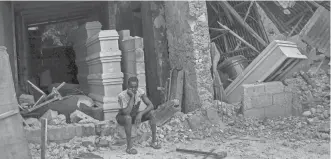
168	46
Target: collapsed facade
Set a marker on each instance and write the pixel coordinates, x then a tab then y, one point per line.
176	35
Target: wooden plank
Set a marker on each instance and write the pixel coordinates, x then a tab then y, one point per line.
43	145
15	71
60	9
219	93
165	111
244	24
296	26
51	16
237	36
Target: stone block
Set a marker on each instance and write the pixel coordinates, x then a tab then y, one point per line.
26	98
104	41
77	116
288	109
50	115
124	34
127	45
33	135
33	122
274	87
140	67
69	133
247	103
275	111
88	129
254	89
263	100
254	112
282	98
79	130
56	133
139	42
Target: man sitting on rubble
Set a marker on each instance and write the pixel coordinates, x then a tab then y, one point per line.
129	101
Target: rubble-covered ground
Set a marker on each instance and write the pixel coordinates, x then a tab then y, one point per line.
222	128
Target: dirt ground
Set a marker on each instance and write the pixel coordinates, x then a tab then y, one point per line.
236	149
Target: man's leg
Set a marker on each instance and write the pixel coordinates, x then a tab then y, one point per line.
150	116
126	121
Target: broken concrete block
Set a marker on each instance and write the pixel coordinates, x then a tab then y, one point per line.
194	122
212	115
278	55
50	115
77	116
82	99
58	120
26	98
33	122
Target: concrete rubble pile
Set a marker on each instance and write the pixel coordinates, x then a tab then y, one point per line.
315	101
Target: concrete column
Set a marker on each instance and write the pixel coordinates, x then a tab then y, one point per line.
156	48
188	41
105	77
79	37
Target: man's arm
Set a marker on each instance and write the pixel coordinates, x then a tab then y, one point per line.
149	104
127	110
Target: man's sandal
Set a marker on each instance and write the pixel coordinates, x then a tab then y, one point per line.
131	151
155	145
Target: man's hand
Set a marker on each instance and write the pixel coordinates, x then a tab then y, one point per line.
138	118
130	93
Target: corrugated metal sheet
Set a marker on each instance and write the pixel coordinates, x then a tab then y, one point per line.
280	19
253	20
317	31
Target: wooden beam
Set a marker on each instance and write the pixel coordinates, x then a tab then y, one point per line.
43	134
15	71
294	18
56	17
244	24
60	20
27	5
60	9
227	13
218	36
237	36
296	25
255	9
222	14
247	13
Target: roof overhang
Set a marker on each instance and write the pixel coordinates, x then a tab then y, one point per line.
35	12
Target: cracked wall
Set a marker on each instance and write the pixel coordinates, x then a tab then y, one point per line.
188	42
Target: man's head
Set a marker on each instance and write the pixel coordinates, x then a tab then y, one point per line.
133	84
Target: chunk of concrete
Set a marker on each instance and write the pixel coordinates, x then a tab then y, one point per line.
77	116
26	98
50	115
33	122
58	120
212	115
195	122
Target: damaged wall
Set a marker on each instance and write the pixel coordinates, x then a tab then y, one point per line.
188	41
7	35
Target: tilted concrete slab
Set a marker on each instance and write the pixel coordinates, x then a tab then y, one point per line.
273	64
